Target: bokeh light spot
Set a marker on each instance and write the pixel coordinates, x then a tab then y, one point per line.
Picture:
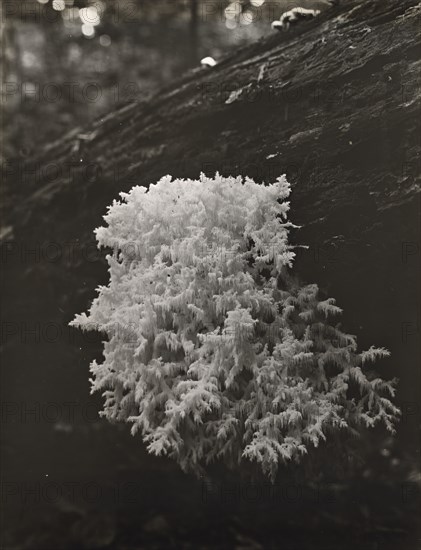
88	30
59	5
90	16
105	40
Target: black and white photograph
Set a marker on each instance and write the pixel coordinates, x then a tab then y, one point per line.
210	275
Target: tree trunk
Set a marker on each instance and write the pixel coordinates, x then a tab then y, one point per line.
194	31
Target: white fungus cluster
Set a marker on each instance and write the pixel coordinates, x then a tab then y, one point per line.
213	350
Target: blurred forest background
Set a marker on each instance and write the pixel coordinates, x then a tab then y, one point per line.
68	61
